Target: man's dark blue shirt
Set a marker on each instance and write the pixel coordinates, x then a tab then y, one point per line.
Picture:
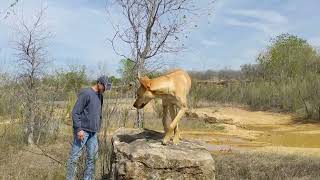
87	112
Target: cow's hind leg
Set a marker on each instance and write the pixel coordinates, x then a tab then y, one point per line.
165	121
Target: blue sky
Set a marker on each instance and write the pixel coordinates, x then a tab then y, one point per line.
234	33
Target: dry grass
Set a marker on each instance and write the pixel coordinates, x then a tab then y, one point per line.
26	163
266	166
18	163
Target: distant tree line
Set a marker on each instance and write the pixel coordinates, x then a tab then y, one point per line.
285	77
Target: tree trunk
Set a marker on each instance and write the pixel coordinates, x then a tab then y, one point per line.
30	115
139	121
30	129
30	136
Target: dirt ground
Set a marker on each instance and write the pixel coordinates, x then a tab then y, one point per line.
256	131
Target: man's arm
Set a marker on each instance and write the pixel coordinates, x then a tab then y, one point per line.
101	100
78	110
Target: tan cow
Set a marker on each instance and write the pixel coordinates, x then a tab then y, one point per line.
173	89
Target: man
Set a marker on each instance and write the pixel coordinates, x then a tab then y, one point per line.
86	116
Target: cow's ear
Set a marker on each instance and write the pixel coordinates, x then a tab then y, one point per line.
145	82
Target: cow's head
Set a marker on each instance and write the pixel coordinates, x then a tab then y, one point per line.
144	94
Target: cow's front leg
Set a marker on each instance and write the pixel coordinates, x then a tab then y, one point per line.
166	125
175	122
173	114
176	137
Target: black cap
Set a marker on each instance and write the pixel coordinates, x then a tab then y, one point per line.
105	82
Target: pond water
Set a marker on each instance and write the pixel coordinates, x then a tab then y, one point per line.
304	136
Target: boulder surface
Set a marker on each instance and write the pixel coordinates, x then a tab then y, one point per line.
139	154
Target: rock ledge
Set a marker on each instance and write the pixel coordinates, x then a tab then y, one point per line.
139	154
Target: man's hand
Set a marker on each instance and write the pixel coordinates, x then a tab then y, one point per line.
80	135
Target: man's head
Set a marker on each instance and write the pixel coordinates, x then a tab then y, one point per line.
144	94
103	84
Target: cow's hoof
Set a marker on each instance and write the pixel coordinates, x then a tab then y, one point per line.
164	142
167	137
176	140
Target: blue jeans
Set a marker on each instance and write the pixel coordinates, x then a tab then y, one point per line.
91	142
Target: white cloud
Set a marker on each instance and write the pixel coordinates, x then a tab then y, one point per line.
268	29
261	15
256	25
209	43
251	53
314	41
269	22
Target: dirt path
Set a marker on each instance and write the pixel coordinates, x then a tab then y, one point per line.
246	130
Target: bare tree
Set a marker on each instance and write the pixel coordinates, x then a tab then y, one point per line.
31	58
152	28
5	13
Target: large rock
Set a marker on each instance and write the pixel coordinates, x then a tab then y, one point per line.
139	154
